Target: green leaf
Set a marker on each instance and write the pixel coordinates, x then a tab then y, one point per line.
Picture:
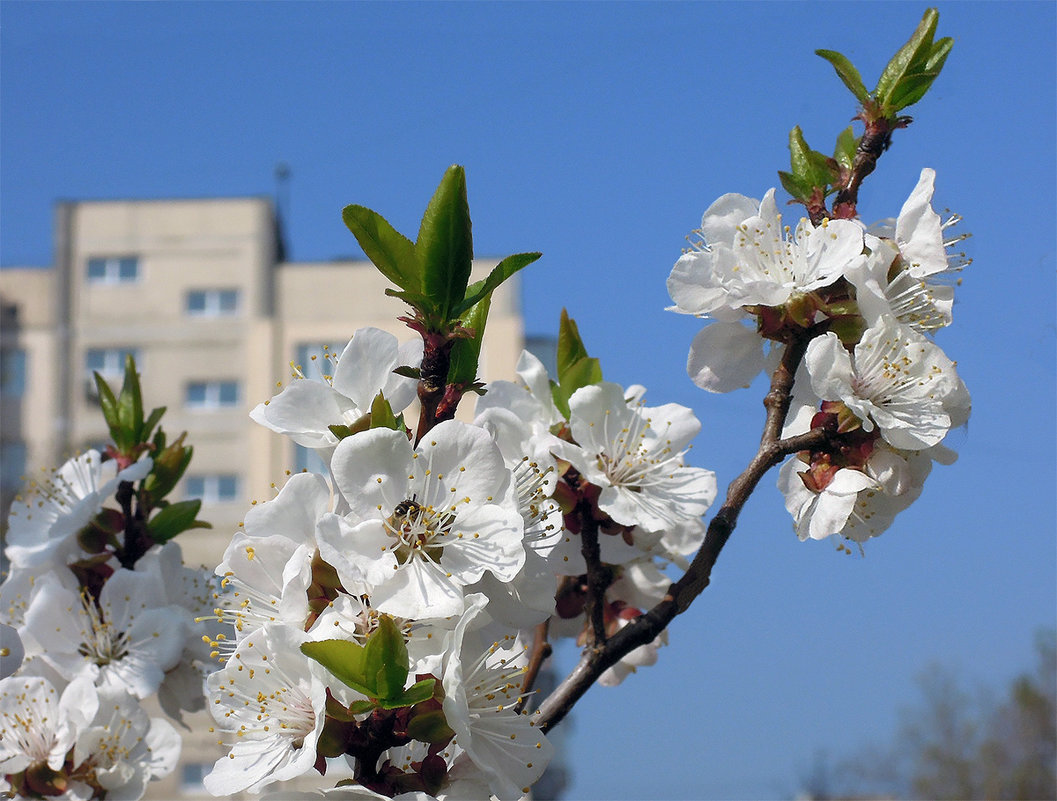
583	373
108	403
340	431
847	144
415	694
148	425
346	660
382	414
570	345
912	87
810	167
416	300
392	252
500	273
445	243
430	727
561	400
466	351
174	519
407	371
170	463
846	72
917	49
359	707
385	659
794	186
130	401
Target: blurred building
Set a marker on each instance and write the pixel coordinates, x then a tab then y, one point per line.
200	292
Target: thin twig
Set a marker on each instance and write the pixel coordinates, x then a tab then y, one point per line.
541	650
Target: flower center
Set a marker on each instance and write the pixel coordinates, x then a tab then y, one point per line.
103	643
418	530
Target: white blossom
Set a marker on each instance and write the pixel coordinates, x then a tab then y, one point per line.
425	522
126	640
635	454
895	378
481	691
123	749
269	702
43	526
305	409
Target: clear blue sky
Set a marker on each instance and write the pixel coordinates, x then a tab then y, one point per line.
598	133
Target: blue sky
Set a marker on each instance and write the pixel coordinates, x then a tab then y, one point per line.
597	133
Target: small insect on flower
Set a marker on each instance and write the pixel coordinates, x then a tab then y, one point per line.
407	508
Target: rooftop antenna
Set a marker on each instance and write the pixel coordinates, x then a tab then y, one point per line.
282	202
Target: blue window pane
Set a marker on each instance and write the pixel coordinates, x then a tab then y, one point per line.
196	394
96	269
196	302
128	269
229	393
196	486
12	373
227	487
229	300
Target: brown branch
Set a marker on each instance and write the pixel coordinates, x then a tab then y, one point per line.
598	576
541	649
875	140
646	627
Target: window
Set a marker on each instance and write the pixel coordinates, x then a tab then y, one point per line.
12	372
315	360
12	463
191	776
212	394
109	363
113	270
213	488
212	302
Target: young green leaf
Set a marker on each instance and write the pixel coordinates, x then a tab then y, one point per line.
415	694
430	727
382	414
130	401
912	87
466	351
810	167
346	660
445	244
570	346
794	186
844	152
108	403
174	519
148	425
392	252
386	660
170	463
500	273
916	51
846	72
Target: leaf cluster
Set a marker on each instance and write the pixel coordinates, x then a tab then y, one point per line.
134	433
906	78
377	669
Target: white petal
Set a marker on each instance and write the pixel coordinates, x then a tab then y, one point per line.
725	356
919	231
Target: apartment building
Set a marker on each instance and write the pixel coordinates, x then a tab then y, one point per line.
200	293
